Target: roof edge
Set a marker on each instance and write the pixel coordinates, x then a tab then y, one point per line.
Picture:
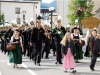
35	1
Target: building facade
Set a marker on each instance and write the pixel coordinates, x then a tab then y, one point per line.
96	9
20	10
62	9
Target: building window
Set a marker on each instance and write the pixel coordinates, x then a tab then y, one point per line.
36	6
17	10
18	20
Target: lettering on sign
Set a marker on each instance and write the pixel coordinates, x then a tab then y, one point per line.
91	22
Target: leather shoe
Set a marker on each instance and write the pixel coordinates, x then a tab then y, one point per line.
60	62
46	58
55	62
35	62
92	69
38	64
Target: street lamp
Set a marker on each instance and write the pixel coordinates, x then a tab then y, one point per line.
80	13
24	12
51	10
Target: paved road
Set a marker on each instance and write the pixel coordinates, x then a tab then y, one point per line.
48	67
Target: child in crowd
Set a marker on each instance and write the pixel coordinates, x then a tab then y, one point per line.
95	49
68	52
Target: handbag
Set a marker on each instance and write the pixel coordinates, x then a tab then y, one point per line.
11	46
80	44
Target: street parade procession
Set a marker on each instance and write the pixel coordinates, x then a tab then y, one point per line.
38	41
49	37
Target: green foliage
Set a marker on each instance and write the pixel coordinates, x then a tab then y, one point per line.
80	8
1	18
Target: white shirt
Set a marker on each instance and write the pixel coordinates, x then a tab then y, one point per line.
12	38
75	35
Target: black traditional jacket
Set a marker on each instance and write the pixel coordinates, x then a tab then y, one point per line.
70	45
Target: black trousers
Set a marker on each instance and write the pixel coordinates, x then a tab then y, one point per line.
46	49
37	53
28	49
5	50
58	56
25	47
87	51
30	52
93	60
2	46
54	47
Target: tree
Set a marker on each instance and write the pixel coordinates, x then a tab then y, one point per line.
2	19
80	9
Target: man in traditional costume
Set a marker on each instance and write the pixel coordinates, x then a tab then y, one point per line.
2	33
30	32
9	33
59	33
37	38
25	39
47	41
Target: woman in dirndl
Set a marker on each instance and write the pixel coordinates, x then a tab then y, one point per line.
68	52
77	38
15	56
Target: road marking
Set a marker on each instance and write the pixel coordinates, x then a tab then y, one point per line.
98	59
8	64
29	70
6	61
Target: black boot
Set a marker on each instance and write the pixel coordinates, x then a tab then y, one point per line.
38	64
60	62
35	61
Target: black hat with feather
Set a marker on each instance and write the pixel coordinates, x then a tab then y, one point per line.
39	17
